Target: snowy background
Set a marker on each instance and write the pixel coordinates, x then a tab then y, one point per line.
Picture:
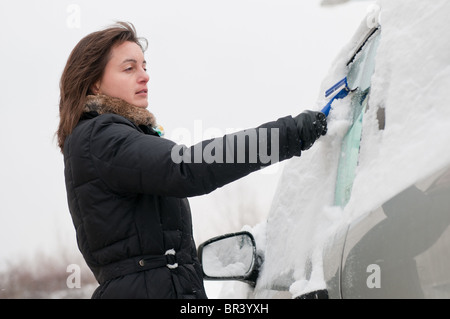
215	67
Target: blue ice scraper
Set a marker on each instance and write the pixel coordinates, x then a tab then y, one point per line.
337	91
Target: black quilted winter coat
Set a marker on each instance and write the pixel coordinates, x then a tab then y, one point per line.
127	197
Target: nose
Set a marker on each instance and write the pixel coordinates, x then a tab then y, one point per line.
143	77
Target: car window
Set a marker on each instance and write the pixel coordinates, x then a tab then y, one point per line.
359	75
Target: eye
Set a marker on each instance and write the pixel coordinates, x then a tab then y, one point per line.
129	69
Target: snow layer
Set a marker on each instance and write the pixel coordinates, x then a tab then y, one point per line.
411	80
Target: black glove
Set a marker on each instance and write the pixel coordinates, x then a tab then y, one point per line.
310	125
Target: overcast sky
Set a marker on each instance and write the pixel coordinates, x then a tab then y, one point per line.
215	66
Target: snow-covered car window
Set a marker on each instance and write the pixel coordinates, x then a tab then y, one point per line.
360	74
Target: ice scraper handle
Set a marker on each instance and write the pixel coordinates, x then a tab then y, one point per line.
326	109
310	125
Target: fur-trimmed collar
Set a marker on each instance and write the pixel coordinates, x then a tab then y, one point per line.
103	104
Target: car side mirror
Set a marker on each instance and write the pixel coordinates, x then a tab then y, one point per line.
230	257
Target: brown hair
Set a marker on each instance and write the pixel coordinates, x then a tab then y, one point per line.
84	67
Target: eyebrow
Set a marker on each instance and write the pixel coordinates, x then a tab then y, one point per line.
132	60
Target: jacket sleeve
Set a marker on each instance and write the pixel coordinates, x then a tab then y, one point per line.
129	161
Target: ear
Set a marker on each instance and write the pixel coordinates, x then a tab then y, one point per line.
95	88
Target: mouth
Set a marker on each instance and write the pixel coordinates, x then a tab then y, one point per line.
142	92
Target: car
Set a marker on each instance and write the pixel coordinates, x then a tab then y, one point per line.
380	225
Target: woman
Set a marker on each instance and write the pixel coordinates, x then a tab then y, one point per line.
127	187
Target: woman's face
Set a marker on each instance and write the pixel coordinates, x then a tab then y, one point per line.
125	75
